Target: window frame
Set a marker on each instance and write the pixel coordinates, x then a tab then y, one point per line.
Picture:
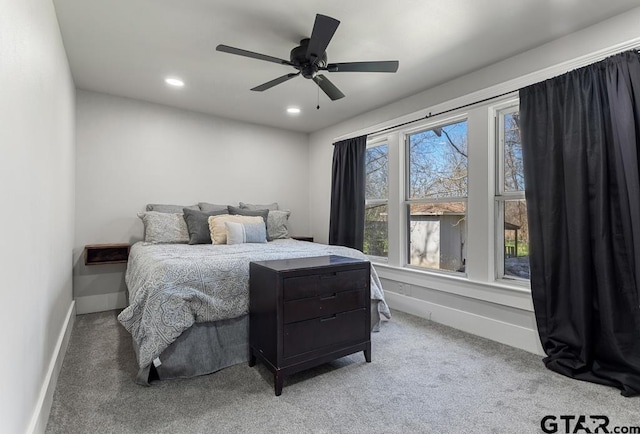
407	201
501	196
374	143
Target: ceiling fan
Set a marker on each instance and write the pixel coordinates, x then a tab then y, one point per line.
310	57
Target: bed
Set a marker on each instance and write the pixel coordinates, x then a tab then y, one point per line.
188	311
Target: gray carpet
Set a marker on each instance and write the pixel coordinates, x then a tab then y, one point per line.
424	378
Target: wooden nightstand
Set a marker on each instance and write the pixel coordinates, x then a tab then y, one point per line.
99	254
302	238
304	312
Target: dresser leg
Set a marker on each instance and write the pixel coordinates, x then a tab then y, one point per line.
367	354
278	381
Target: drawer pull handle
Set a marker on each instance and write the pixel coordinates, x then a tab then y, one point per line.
332	296
328	319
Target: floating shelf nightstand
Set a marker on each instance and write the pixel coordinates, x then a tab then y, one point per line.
99	254
302	238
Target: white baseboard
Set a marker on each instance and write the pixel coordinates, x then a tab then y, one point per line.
489	328
101	302
40	416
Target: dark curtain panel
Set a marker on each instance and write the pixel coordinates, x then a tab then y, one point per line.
346	224
580	138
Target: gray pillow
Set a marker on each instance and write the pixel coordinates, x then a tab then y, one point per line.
198	225
211	207
277	224
175	209
164	227
264	213
253	207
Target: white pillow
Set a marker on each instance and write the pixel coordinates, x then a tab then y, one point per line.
218	229
240	233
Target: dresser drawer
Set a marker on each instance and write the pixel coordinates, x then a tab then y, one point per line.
323	306
325	283
304	336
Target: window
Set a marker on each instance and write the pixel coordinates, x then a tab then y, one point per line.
447	196
512	234
437	197
376	231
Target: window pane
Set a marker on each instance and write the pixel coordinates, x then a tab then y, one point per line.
438	235
438	162
377	172
513	171
516	239
376	232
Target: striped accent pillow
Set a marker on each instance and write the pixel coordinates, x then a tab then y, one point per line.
240	233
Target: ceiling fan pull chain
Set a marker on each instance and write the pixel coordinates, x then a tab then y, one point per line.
318	106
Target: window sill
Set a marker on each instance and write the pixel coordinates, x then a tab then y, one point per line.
502	292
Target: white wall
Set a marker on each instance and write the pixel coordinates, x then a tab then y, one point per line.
37	197
130	153
483	308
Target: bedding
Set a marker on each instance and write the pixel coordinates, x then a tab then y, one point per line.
276	220
277	224
251	206
174	286
219	230
164	227
239	233
175	209
198	225
211	207
233	210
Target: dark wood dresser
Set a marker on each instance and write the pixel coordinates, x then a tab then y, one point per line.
305	312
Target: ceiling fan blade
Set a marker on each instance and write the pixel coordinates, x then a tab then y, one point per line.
245	53
323	30
384	66
270	84
327	87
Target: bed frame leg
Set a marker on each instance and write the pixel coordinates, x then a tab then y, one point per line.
252	358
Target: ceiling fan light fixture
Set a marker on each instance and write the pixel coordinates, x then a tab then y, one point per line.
293	110
175	82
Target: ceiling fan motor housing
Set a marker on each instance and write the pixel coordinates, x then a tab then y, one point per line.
299	59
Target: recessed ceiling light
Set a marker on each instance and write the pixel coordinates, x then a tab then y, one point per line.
176	82
293	110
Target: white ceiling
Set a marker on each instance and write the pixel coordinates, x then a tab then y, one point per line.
128	47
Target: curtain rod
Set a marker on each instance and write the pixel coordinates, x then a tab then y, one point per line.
634	47
430	115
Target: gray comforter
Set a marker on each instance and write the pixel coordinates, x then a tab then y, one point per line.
173	286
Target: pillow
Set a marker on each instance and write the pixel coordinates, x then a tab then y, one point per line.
218	229
252	207
240	233
241	211
277	224
211	207
198	225
163	227
175	209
